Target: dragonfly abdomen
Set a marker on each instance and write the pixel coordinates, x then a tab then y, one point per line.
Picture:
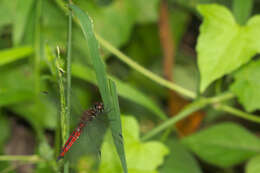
87	116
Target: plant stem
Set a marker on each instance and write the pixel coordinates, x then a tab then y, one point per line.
63	117
37	47
144	71
31	158
66	165
222	97
69	65
194	106
238	113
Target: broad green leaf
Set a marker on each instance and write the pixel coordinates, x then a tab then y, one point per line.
178	158
224	145
112	27
107	90
223	45
16	84
22	11
13	54
246	86
13	96
124	90
17	87
253	165
119	27
141	157
6	12
42	114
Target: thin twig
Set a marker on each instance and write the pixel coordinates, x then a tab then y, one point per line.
194	106
238	113
23	158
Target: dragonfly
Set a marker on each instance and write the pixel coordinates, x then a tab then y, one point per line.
86	118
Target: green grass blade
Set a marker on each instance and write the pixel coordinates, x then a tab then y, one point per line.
68	75
115	125
14	54
99	66
124	90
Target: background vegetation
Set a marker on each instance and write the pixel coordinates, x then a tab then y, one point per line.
186	73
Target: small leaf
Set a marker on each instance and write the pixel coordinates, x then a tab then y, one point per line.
178	159
13	54
223	45
246	86
141	157
224	145
253	165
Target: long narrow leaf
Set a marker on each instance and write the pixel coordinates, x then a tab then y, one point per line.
99	67
116	126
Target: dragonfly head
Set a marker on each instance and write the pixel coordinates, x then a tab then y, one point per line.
99	107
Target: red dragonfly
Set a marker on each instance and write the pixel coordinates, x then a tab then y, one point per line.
87	116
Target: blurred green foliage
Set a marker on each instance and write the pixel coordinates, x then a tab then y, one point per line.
227	42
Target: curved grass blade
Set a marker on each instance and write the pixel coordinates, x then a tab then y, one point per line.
115	126
99	67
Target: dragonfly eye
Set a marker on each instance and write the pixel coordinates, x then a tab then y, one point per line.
99	107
